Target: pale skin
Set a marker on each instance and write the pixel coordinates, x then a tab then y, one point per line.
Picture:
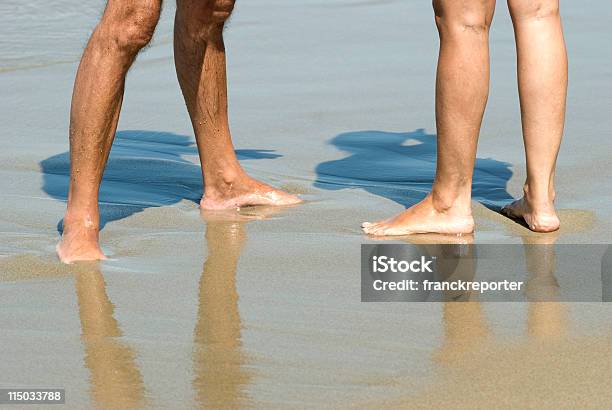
125	28
461	96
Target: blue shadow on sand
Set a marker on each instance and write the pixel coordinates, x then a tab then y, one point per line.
401	166
146	169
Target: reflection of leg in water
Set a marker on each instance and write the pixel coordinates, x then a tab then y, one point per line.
465	329
116	382
606	275
547	318
455	261
220	377
464	323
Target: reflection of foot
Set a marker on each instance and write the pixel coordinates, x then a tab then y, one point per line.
544	239
245	192
441	239
79	243
247	214
423	218
465	330
431	239
538	219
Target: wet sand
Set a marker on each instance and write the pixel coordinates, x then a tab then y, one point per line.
331	100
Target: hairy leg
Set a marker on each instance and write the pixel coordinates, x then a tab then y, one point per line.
125	28
542	76
199	54
462	87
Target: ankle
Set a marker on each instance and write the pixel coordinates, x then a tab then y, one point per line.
89	220
223	183
451	202
539	195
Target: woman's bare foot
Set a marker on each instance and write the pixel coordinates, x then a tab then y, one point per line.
79	242
423	218
245	191
542	218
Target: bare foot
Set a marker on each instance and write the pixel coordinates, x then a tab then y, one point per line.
423	218
246	192
79	243
538	219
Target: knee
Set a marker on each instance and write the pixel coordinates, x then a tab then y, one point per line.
136	30
222	10
533	9
132	29
201	19
475	18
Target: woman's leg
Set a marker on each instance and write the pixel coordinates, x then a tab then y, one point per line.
542	76
462	88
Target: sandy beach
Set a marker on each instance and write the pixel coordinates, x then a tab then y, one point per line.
333	101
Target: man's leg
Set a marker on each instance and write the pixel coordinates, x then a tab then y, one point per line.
542	75
125	28
199	55
462	87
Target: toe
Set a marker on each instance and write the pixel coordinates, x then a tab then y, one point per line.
378	230
293	198
370	228
374	226
289	199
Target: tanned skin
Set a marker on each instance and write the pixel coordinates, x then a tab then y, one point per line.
462	88
125	28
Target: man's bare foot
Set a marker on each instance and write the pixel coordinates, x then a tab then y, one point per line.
423	218
79	243
245	191
538	219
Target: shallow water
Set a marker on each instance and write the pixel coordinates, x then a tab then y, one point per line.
332	100
39	33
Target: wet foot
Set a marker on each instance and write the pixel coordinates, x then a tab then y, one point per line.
79	243
246	192
423	218
538	219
